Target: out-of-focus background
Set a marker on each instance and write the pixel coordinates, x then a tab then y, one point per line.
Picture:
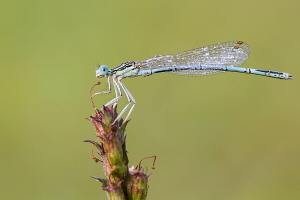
228	136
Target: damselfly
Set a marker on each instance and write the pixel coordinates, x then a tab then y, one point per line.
202	61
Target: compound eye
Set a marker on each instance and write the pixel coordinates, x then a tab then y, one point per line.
103	69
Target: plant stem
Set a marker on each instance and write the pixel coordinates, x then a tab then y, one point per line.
121	182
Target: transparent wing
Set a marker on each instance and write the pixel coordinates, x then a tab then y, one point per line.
233	53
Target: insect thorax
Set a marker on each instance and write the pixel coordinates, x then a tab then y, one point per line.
124	70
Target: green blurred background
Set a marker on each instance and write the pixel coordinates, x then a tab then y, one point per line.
229	136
